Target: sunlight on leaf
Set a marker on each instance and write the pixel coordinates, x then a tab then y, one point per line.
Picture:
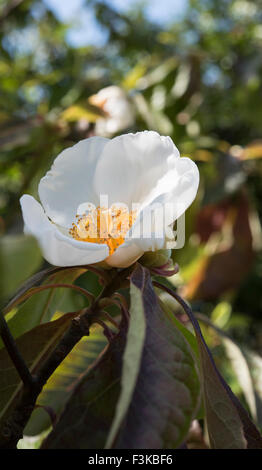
61	384
166	396
34	345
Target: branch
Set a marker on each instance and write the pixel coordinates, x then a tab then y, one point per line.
14	353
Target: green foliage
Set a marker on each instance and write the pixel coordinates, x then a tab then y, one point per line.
34	345
157	368
41	306
228	424
62	383
131	361
19	258
86	419
198	80
166	394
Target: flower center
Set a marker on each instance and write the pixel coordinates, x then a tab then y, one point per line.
102	225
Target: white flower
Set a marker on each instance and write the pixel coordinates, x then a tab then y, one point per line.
120	114
143	169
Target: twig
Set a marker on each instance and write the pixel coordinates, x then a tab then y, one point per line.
107	332
102	275
13	427
109	318
121	299
35	290
14	353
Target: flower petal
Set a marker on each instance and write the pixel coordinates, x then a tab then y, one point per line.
57	248
176	190
125	255
70	180
131	165
138	241
132	250
166	203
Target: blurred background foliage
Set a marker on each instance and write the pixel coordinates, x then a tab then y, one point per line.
196	78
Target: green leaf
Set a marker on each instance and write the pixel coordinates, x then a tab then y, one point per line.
77	112
135	74
252	151
20	257
29	442
235	355
242	372
34	346
166	393
41	306
157	74
255	365
229	425
191	339
61	384
131	360
34	280
159	392
86	419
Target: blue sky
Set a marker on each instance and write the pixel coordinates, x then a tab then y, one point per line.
86	30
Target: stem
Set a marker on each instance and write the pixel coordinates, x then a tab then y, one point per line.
14	353
107	332
121	299
35	290
109	318
12	429
102	275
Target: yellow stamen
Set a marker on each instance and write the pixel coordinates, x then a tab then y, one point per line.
106	226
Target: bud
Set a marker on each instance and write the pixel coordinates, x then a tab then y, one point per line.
155	259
